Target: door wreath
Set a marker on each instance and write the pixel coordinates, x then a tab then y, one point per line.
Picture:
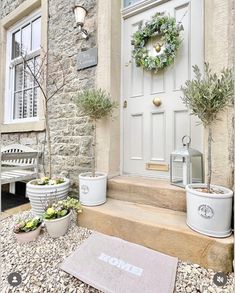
164	32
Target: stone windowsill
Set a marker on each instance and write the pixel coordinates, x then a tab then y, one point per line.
23	127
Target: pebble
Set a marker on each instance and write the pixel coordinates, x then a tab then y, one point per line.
39	263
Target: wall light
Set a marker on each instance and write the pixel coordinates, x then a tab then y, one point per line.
80	14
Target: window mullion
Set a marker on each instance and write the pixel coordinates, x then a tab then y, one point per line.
23	79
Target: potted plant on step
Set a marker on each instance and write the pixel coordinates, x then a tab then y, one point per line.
96	104
27	230
57	216
209	207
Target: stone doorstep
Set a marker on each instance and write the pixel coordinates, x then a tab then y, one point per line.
160	229
147	191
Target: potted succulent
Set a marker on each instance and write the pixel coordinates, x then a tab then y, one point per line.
209	207
27	230
57	216
96	104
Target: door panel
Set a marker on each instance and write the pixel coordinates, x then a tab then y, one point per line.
151	133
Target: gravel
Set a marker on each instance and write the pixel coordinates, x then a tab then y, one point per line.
38	262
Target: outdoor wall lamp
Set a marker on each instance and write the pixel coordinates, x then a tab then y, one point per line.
80	14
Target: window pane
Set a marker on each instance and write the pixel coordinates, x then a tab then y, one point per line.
15	45
130	2
36	34
18	77
38	70
26	38
28	104
28	78
35	101
18	105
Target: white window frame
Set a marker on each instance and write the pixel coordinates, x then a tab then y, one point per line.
9	87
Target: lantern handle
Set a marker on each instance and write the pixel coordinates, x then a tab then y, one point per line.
183	140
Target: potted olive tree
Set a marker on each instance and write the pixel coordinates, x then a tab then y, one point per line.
209	207
96	104
58	214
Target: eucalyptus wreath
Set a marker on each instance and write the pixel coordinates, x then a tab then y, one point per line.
168	30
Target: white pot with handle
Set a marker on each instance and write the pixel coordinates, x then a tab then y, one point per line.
92	190
209	213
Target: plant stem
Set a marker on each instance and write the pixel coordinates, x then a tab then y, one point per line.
209	163
93	149
48	139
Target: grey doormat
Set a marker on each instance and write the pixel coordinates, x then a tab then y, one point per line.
113	265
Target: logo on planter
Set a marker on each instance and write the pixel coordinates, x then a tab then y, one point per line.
205	211
84	189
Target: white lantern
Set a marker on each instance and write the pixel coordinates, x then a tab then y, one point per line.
186	165
80	14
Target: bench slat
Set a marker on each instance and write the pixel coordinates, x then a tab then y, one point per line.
18	156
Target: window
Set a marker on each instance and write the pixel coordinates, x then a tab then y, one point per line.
130	2
22	92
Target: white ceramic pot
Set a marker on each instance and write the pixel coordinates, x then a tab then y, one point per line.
209	214
40	194
25	237
92	190
58	227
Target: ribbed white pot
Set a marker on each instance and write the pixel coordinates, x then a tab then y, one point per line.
40	194
209	214
92	190
58	227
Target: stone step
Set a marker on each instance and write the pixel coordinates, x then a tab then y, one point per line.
147	191
160	229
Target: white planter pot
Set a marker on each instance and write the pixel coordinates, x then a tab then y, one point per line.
40	194
92	190
209	214
58	227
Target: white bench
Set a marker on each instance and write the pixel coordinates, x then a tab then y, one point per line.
18	163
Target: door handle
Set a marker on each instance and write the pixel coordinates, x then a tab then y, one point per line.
157	102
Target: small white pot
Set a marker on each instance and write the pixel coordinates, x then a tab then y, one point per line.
209	214
58	227
40	194
92	190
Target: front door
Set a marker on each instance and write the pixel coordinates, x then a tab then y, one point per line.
150	132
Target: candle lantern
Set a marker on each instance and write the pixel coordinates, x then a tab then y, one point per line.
186	165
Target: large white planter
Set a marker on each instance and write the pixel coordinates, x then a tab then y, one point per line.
58	227
209	214
92	190
40	194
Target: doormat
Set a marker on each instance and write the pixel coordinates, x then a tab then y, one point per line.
113	265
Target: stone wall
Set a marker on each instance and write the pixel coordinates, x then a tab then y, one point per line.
71	134
219	52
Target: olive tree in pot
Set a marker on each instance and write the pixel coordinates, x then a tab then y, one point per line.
209	207
96	104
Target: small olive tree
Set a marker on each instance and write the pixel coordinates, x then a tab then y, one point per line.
206	96
96	104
